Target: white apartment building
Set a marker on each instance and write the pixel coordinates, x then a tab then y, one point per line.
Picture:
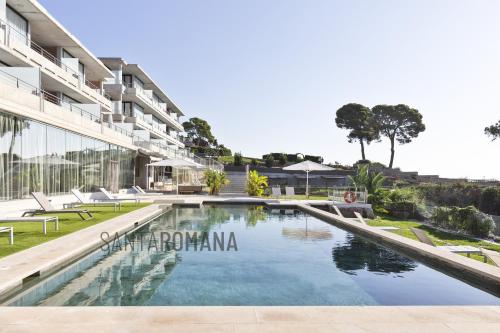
142	108
66	120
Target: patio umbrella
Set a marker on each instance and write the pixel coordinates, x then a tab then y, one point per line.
308	166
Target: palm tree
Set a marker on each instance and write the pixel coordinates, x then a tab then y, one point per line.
370	180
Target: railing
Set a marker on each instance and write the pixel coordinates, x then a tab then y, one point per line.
47	55
178	153
153	103
345	194
40	50
20	84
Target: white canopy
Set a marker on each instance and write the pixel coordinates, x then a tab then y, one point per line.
176	163
308	166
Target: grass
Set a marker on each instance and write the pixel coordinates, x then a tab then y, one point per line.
437	236
304	197
29	234
244	160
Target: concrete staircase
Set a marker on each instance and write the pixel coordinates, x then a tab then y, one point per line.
237	185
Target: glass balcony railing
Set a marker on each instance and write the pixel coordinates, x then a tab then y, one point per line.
161	107
14	81
11	32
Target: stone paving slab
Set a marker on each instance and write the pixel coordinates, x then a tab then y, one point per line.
51	256
252	319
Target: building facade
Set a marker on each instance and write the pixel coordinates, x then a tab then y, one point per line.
142	108
63	124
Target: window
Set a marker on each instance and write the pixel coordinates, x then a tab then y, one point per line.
127	109
18	23
81	67
39	157
127	80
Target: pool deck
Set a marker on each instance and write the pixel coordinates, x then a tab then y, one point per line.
48	257
252	319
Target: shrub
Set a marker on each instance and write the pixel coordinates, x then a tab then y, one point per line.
468	220
457	194
269	161
215	181
282	159
256	184
253	162
238	159
490	200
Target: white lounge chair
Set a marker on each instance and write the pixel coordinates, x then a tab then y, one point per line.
466	249
289	191
140	191
112	197
276	192
84	201
362	220
10	230
47	208
337	210
43	219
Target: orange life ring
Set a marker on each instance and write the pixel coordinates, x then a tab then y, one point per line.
350	197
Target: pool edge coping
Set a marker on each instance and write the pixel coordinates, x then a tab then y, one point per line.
473	269
37	264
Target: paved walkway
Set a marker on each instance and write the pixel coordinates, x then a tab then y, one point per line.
251	319
48	257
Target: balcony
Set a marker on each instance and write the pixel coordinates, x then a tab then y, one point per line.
27	100
145	98
34	55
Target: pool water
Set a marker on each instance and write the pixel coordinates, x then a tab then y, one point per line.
274	258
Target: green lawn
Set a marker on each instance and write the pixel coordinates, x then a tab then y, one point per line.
303	197
438	237
28	234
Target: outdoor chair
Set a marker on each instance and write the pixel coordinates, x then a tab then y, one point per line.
84	201
140	191
362	220
276	192
337	210
42	219
111	197
422	237
289	191
10	230
47	208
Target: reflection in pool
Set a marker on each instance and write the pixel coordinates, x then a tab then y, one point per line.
282	258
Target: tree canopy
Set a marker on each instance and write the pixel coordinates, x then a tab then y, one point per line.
398	123
493	131
359	120
201	140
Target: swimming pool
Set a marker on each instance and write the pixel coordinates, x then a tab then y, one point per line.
246	255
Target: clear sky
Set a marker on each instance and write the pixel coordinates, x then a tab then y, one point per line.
269	75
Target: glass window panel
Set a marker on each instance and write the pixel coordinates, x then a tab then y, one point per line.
33	156
55	162
10	157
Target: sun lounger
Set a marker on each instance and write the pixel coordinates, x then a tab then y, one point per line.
84	201
337	210
492	255
140	191
362	220
289	191
112	197
43	219
10	230
47	208
276	192
422	236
